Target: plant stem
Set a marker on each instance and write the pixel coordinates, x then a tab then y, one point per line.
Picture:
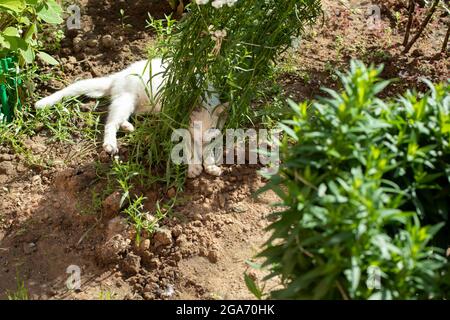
422	26
412	8
444	46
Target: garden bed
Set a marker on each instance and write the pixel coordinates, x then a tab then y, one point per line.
51	217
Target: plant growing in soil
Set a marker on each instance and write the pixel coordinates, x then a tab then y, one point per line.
229	46
21	292
21	22
221	46
365	187
409	43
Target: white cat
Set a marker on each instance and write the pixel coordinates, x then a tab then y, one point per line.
136	90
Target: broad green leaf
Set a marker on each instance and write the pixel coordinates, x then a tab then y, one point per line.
50	12
11	31
13	5
47	58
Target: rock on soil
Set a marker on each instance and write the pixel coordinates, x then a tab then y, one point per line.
112	249
7	168
162	237
131	264
111	205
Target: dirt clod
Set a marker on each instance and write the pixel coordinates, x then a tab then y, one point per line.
107	41
111	205
7	168
162	237
131	264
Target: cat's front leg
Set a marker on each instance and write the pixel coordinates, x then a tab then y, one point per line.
210	143
110	139
120	110
195	167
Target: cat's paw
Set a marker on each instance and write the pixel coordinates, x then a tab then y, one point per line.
194	170
213	170
110	148
127	127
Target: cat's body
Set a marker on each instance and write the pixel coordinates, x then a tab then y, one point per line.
135	90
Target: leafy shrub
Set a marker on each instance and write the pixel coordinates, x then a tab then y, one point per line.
20	23
365	184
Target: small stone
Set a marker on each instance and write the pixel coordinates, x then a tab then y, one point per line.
213	256
177	231
239	208
92	43
155	263
172	192
29	247
69	67
77	41
151	287
162	237
72	60
177	256
111	205
77	49
66	51
181	241
116	226
131	264
145	245
209	190
107	41
197	224
104	157
7	168
36	179
6	157
3	180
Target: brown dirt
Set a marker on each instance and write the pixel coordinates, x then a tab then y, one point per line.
48	220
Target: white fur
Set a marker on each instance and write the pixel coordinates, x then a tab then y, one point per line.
135	90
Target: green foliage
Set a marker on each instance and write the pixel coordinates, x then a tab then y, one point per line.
163	28
21	292
64	121
125	175
232	48
20	23
365	188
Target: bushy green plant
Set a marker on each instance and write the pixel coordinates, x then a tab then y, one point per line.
365	187
229	46
20	23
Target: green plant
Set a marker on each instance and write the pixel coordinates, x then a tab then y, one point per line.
106	295
232	48
434	6
64	121
126	175
163	29
124	17
366	186
21	22
21	292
